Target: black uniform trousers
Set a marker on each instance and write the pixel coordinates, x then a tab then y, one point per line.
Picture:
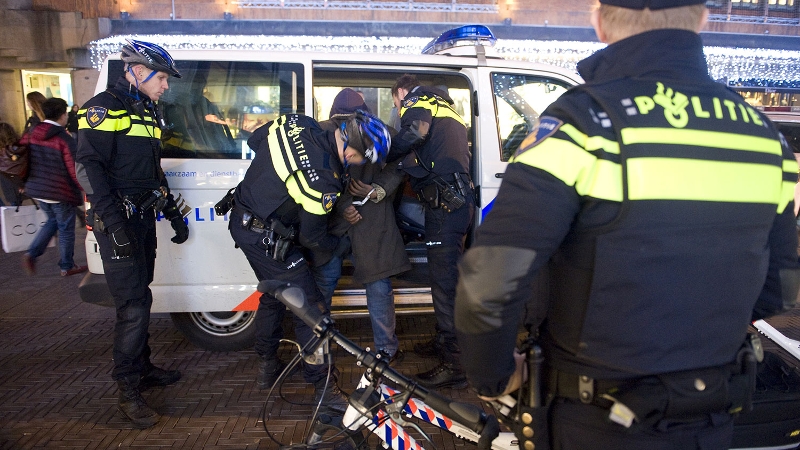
269	316
577	426
445	233
129	282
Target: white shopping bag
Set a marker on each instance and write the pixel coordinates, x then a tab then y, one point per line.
19	226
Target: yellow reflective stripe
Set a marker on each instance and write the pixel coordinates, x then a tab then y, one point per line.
713	139
590	143
110	123
787	195
275	135
700	180
310	204
790	166
144	131
440	110
787	191
576	167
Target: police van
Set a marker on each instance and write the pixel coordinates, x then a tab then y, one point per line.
206	284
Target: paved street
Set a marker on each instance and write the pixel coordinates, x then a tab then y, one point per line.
56	391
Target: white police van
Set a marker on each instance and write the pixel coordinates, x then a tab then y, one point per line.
206	284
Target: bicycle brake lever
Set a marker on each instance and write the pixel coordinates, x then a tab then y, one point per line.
395	408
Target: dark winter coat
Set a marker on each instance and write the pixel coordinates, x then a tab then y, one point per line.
52	171
376	243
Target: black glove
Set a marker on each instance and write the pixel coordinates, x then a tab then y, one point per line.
121	242
181	230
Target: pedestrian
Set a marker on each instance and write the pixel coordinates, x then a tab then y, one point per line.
34	99
118	163
661	204
72	121
52	182
365	214
432	140
282	205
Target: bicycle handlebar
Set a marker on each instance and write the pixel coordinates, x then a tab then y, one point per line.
465	414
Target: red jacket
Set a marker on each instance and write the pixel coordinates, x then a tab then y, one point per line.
52	171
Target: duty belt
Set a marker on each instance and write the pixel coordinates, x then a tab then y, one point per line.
581	387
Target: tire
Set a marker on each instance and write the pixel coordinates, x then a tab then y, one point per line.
221	331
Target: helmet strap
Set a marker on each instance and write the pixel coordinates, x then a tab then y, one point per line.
135	80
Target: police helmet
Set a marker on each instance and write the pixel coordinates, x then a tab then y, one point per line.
651	4
149	55
367	135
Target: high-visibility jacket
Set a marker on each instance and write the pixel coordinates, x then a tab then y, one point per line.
119	149
432	137
660	200
296	169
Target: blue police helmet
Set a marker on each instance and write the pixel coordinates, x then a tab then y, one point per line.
651	4
149	55
368	135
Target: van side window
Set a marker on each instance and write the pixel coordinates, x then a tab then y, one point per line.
375	87
519	99
214	107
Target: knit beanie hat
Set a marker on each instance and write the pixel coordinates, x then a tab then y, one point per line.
346	103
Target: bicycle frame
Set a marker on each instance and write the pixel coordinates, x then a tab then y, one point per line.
462	419
391	432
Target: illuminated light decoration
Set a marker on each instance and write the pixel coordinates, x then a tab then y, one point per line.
730	65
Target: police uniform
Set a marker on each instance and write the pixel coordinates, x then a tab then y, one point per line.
119	159
433	138
284	198
660	199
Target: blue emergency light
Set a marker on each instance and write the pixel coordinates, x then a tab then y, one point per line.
466	35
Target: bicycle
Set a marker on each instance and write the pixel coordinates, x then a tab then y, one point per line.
380	409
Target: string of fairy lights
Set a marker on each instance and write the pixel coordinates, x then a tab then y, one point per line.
760	67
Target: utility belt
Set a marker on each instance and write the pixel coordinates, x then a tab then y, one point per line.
681	396
278	238
132	205
138	204
450	196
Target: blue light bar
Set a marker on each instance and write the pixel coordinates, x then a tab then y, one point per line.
466	35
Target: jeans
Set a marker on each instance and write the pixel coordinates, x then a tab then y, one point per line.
61	219
380	303
327	276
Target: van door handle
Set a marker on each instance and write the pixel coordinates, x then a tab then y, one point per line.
498	175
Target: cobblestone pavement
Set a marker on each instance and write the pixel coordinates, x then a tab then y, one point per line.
56	390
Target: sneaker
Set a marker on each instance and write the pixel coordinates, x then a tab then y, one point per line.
29	264
156	377
397	358
74	271
429	349
442	376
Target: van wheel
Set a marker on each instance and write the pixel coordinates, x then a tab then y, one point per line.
221	331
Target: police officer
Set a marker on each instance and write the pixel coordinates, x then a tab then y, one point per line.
118	164
432	139
283	200
662	202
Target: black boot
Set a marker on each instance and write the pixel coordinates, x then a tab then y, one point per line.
430	349
332	397
155	376
132	405
444	375
268	372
